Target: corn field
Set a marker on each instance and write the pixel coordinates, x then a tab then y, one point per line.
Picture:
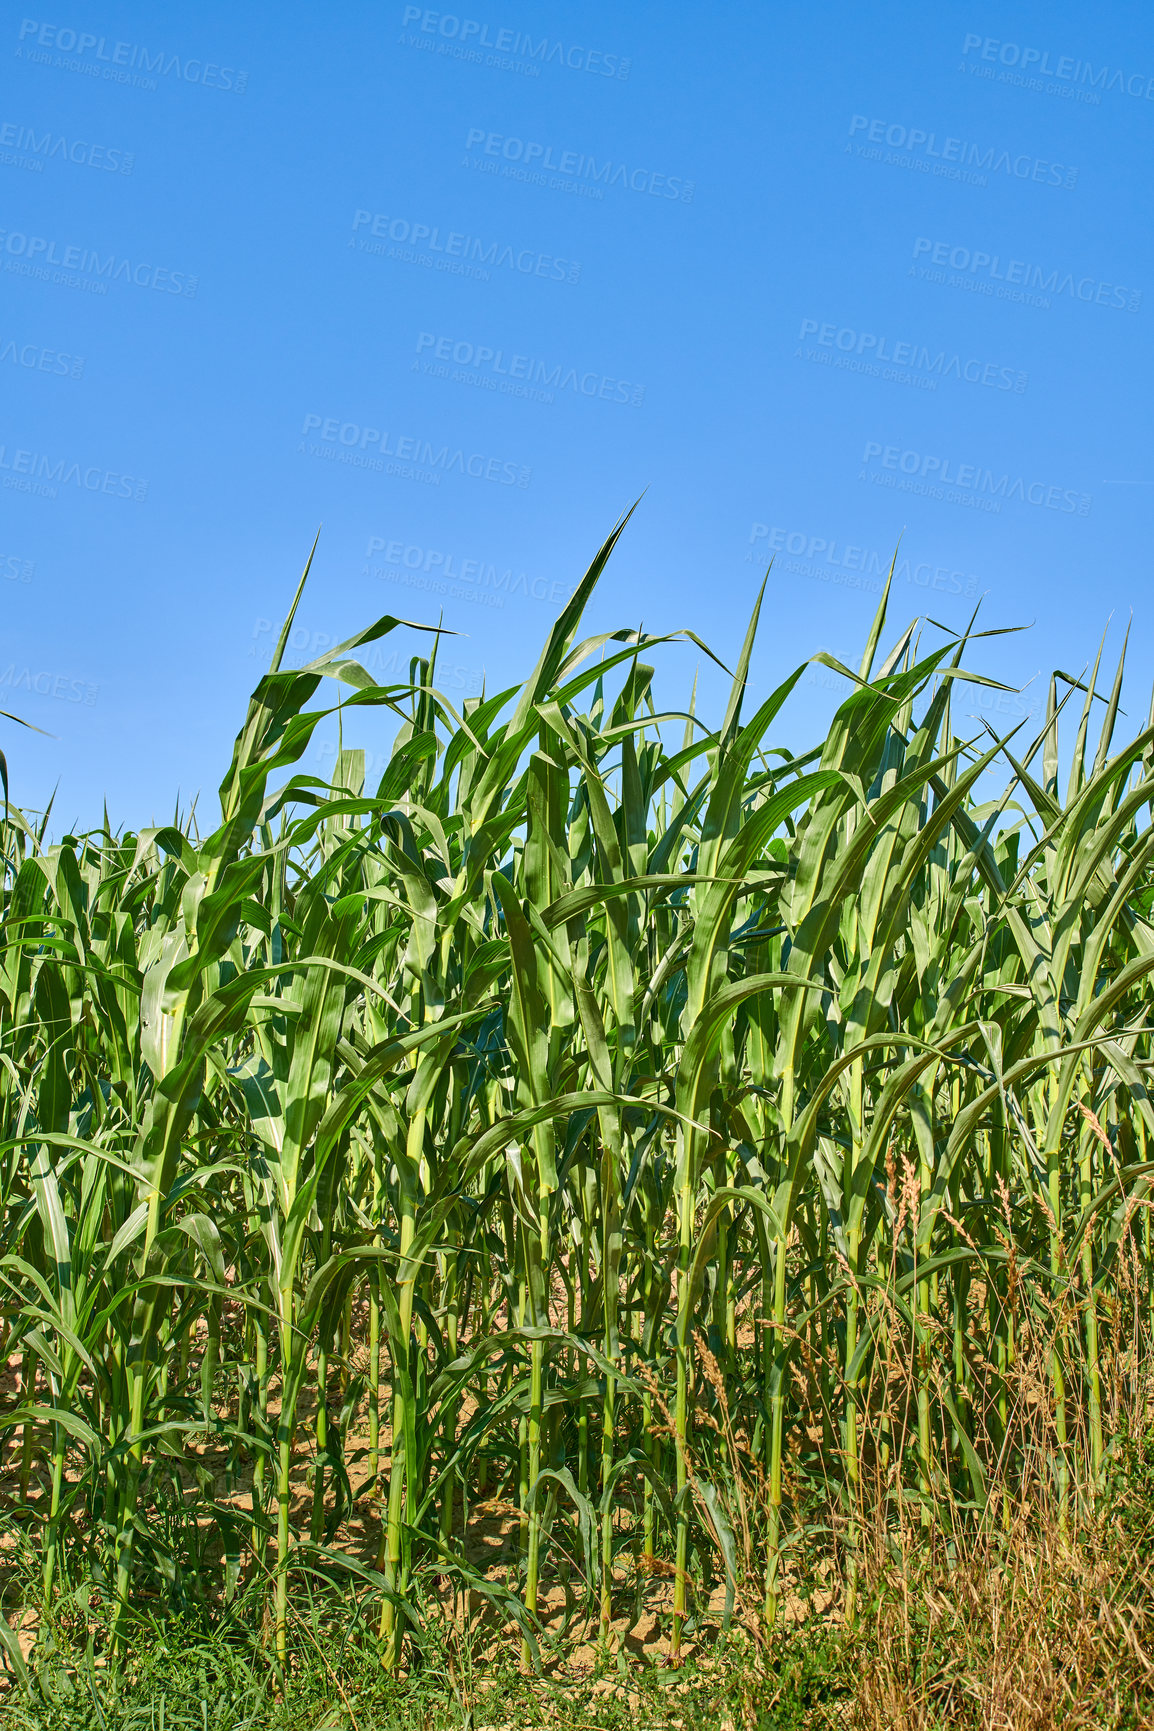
604	1131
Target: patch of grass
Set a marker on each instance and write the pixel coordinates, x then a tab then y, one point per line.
1030	1629
180	1679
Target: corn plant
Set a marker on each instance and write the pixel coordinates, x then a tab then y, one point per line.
573	1132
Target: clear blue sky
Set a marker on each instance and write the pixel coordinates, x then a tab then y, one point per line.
462	285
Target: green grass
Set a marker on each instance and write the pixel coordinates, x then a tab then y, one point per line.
226	1680
1055	1635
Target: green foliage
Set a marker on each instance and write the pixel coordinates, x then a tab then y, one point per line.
579	1170
187	1683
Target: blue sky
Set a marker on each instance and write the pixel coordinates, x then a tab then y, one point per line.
460	286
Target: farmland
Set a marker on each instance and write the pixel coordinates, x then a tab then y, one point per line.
614	1179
